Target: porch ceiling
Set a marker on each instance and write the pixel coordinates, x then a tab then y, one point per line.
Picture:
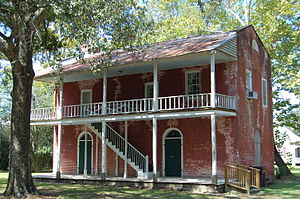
143	67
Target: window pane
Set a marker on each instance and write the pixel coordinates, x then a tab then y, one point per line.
193	82
264	92
86	97
248	80
149	90
173	134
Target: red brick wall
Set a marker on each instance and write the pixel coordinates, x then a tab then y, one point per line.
251	116
133	86
235	135
196	145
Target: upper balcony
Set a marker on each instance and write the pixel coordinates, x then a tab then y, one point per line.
170	79
145	105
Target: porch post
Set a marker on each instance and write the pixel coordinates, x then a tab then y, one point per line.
214	177
85	151
103	136
126	149
117	166
154	122
213	79
154	148
97	155
59	128
155	87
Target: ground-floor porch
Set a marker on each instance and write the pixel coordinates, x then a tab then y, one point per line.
180	148
195	185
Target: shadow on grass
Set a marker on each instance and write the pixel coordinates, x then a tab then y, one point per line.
284	189
90	191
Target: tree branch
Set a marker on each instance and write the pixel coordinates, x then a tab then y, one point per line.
246	12
4	47
236	16
40	15
3	36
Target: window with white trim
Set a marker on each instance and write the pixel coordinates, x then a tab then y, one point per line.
86	96
149	90
192	82
264	92
248	80
297	152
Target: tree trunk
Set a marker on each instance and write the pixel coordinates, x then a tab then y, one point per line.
20	182
283	169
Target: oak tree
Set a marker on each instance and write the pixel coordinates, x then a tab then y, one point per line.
52	30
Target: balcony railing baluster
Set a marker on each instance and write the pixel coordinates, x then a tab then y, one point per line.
179	102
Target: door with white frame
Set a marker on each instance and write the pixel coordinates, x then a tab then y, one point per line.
84	153
172	153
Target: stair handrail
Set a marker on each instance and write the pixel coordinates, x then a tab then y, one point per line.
255	175
145	158
242	177
237	177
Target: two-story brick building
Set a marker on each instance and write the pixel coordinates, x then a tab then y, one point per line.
179	108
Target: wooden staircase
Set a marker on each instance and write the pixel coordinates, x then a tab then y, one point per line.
138	161
243	178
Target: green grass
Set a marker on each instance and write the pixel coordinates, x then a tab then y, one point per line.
285	189
296	171
66	191
280	189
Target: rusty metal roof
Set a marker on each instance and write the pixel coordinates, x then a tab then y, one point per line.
161	50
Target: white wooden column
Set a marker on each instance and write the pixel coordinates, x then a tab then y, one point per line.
155	87
213	149
154	121
214	176
117	166
59	128
213	79
97	155
154	148
85	152
103	136
126	149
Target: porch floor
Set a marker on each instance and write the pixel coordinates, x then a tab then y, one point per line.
196	185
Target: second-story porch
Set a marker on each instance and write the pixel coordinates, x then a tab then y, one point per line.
170	104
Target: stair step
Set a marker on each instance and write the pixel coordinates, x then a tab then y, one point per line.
138	167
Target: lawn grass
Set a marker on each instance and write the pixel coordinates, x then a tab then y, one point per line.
289	189
68	191
296	171
285	189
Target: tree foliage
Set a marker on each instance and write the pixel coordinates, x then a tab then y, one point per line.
52	30
277	23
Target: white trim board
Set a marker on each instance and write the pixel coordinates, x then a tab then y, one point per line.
143	116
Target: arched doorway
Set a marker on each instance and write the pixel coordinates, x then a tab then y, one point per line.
172	153
82	139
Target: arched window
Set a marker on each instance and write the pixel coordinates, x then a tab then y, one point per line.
257	158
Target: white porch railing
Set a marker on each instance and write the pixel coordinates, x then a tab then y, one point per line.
225	101
169	103
43	114
184	102
82	110
129	106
